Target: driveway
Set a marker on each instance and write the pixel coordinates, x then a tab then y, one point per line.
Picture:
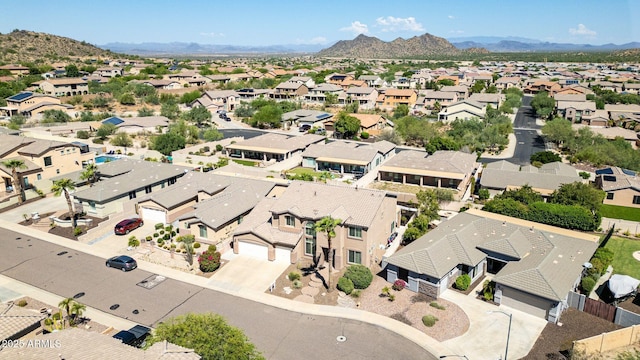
41	206
247	272
484	325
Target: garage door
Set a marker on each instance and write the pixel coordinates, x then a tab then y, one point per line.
283	255
528	303
153	216
254	250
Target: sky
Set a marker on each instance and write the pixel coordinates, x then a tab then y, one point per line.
261	23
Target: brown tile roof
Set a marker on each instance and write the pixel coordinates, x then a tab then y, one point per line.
14	320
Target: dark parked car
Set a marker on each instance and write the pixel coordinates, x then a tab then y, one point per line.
125	226
122	262
304	127
135	336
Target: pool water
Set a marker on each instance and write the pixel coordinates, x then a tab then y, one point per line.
105	158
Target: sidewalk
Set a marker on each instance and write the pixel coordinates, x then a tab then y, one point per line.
406	331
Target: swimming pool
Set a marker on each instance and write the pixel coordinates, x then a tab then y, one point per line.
105	158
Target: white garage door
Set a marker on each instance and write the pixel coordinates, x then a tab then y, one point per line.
153	216
283	255
528	303
254	250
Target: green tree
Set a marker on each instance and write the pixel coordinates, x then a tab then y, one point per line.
545	157
86	116
442	143
169	142
559	131
211	134
77	310
188	98
330	99
428	204
327	225
400	111
208	335
145	111
543	105
63	186
525	194
170	110
14	165
578	193
121	139
198	115
105	130
268	116
347	125
65	305
478	87
71	70
127	99
90	174
55	116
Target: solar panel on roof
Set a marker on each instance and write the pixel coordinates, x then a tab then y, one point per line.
21	96
323	116
113	120
609	178
629	172
604	171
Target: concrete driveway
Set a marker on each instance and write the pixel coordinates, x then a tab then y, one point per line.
246	272
487	334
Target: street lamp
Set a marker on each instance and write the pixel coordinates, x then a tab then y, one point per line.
458	356
506	350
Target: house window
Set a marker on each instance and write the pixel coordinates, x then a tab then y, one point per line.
147	189
290	220
240	219
39	176
636	200
171	181
92	206
310	238
355	257
57	171
132	195
203	231
609	196
61	152
355	232
47	161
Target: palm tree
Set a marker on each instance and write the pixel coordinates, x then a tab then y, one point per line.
77	310
328	225
14	165
90	174
66	306
64	186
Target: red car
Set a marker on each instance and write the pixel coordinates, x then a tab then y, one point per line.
125	226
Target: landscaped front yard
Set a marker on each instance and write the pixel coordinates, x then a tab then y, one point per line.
623	260
620	212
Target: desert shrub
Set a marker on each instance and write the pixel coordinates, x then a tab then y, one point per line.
429	320
82	134
134	242
218	147
392	297
155	235
77	231
364	135
463	282
97	141
159	226
399	285
297	284
437	306
22	303
148	238
360	275
345	285
488	288
196	245
293	276
587	284
483	194
386	291
355	293
209	260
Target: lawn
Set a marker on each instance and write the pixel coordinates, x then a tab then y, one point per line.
245	162
301	170
623	261
620	212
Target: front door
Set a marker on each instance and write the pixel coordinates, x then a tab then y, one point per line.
403	274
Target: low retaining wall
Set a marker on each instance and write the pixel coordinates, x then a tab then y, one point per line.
609	341
67	223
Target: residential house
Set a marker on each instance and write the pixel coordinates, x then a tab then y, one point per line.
283	228
444	169
134	125
465	109
488	99
373	124
373	81
346	157
313	118
219	79
64	87
507	82
462	92
289	91
391	98
402	82
109	72
534	266
337	79
161	84
272	146
574	89
574	107
502	175
622	186
215	100
17	70
29	103
536	86
365	97
345	85
431	99
319	93
453	78
306	80
613	133
250	94
16	322
598	118
124	180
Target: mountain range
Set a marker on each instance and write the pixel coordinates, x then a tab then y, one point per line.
183	48
518	44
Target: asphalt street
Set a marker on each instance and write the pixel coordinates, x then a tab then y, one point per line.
277	333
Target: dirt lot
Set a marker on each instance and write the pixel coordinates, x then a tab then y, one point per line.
575	325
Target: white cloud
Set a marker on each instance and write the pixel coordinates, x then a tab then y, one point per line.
356	27
457	31
451	17
212	34
582	31
391	24
314	41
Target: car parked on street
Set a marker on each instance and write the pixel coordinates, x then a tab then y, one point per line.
127	225
122	262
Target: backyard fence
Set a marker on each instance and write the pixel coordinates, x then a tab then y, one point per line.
608	341
615	314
